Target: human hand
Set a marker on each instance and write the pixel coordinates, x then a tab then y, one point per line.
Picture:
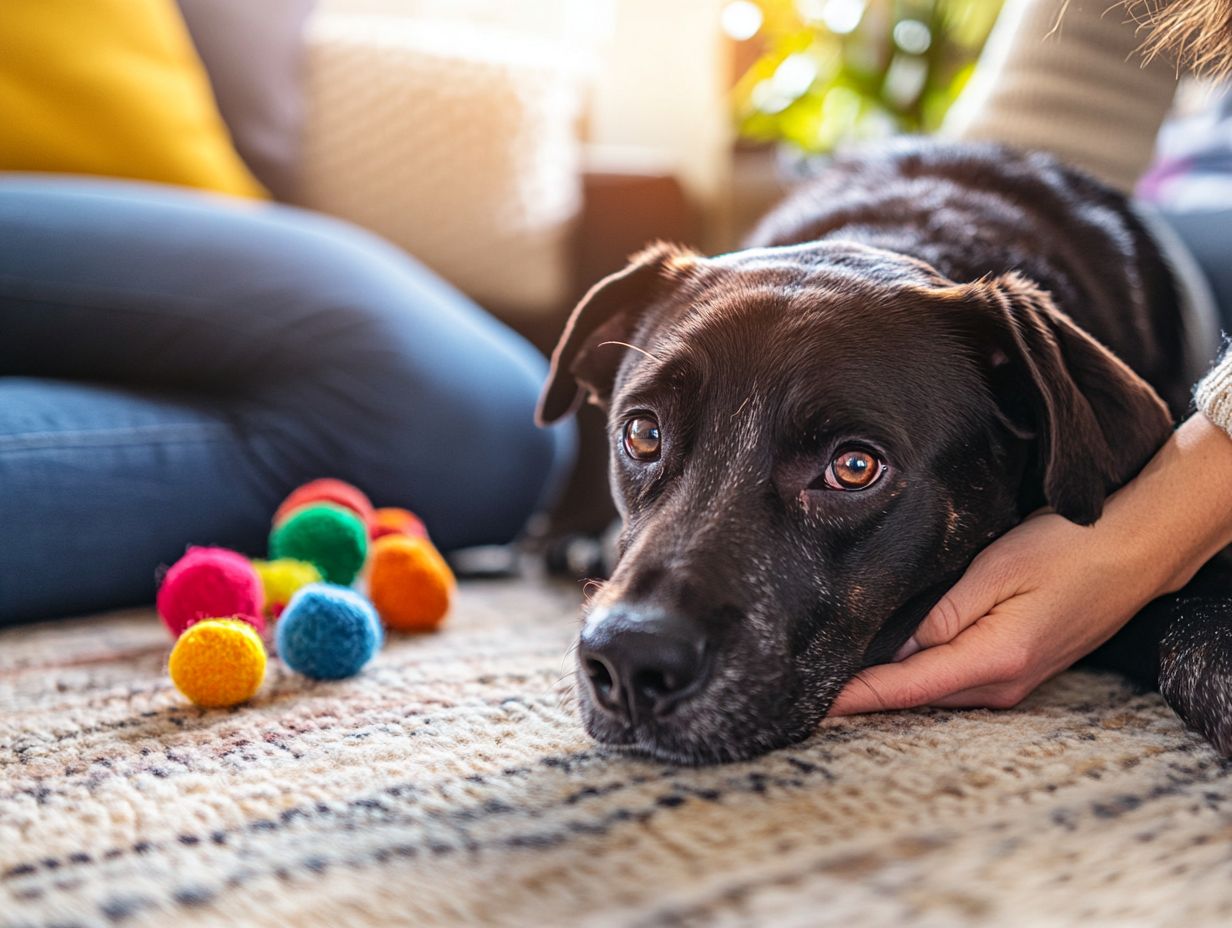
1049	592
1025	610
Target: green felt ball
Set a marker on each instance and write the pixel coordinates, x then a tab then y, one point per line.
330	537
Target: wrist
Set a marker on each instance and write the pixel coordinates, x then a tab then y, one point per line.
1177	513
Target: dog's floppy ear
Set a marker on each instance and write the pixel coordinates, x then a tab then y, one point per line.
1095	421
608	313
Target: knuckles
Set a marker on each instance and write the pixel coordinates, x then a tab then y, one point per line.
944	624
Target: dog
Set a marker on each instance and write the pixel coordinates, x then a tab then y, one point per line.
812	437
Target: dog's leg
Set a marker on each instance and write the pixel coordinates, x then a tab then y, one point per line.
1182	645
1195	666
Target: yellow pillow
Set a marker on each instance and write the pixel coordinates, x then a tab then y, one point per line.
111	87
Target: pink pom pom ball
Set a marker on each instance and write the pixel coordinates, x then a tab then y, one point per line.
207	583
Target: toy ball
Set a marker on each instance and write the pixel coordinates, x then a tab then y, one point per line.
393	521
331	538
409	582
328	632
326	490
218	662
281	579
209	582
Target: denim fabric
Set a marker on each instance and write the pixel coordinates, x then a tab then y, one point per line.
172	364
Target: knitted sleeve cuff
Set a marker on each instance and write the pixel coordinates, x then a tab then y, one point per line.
1214	394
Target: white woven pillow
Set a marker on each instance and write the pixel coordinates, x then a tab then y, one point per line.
456	143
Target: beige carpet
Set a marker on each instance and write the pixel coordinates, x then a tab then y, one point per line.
449	784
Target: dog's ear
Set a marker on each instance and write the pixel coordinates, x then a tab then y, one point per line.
1095	422
607	314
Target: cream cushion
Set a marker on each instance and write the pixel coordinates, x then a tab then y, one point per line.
456	142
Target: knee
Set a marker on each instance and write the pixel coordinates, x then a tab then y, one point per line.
467	454
405	388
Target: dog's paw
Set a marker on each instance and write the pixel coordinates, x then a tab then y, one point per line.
1195	667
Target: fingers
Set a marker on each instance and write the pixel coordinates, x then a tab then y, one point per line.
977	592
950	660
994	696
910	646
923	679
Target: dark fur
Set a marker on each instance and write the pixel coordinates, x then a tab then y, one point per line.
999	327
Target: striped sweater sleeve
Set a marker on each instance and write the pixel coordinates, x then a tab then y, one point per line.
1066	76
1214	394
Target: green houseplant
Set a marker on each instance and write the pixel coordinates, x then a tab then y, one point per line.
831	71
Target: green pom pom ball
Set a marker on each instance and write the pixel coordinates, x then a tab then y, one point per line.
330	537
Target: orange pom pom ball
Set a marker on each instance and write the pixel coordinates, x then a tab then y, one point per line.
409	583
327	490
218	662
393	521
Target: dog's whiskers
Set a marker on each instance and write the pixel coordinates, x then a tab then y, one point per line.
566	690
590	589
633	347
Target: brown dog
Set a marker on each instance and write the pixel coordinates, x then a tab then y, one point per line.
812	437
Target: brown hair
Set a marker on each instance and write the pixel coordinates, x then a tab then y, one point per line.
1197	32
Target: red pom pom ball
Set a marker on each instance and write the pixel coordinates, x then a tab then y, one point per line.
327	490
207	583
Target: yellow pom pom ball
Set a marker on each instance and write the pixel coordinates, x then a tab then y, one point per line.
409	582
218	662
282	579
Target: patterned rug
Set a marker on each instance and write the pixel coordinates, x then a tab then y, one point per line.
449	784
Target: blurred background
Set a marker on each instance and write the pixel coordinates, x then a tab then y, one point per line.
564	134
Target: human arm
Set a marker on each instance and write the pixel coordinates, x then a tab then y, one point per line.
1066	76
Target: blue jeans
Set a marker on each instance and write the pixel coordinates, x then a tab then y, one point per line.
172	364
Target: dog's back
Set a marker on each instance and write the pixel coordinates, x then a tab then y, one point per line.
976	210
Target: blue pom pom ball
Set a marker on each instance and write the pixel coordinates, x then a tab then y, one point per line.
328	632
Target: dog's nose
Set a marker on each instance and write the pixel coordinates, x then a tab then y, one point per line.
642	664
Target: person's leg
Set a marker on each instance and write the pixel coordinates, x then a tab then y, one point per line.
288	346
99	485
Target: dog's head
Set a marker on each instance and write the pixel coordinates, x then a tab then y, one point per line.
807	444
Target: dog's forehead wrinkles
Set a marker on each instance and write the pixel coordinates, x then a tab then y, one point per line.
841	258
796	327
708	345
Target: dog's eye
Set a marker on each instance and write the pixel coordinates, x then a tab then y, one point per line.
642	439
853	469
